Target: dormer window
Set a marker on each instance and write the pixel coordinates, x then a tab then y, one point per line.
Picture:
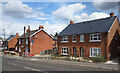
64	39
74	38
95	37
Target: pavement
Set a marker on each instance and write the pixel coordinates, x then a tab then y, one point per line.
113	67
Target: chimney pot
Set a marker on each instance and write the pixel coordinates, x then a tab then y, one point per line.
16	33
11	34
41	27
71	22
28	30
112	14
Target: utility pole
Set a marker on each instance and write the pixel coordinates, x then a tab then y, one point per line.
29	38
4	39
24	40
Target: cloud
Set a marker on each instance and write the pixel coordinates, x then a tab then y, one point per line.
93	16
41	18
51	28
17	9
67	12
106	6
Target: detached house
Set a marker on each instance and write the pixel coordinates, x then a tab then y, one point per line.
11	41
91	38
36	41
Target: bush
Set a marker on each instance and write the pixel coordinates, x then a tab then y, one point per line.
98	59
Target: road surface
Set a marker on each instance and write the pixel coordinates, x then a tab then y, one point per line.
44	67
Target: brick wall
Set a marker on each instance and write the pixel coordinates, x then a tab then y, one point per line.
113	40
13	42
86	44
41	43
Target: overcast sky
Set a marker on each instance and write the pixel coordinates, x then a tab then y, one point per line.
54	16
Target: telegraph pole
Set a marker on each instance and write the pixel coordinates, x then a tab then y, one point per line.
24	40
4	38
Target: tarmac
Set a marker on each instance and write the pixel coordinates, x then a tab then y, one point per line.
114	67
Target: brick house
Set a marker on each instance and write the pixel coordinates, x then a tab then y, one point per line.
36	41
11	41
91	38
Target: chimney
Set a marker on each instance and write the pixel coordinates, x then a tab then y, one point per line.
16	33
112	14
71	22
41	27
11	34
28	30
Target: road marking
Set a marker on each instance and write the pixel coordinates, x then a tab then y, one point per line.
31	69
12	63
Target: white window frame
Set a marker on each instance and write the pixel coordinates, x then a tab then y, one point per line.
92	37
74	37
26	40
16	48
19	41
92	52
82	37
66	49
64	39
19	49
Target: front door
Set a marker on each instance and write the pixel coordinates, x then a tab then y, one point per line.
75	51
82	51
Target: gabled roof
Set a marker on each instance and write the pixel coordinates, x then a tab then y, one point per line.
93	26
10	37
26	34
33	32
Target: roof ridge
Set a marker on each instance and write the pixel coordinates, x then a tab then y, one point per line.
94	20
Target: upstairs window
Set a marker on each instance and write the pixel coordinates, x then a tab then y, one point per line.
74	38
81	38
95	37
26	40
64	39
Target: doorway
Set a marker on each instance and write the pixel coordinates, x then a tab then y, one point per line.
74	51
81	51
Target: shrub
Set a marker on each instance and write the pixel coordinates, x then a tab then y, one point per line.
98	59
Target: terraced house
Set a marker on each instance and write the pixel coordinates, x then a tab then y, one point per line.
36	41
91	38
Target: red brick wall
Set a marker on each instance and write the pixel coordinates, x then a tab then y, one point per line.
86	44
13	42
41	43
113	40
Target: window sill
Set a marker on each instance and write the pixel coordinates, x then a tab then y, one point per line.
95	41
64	41
64	54
74	41
81	41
